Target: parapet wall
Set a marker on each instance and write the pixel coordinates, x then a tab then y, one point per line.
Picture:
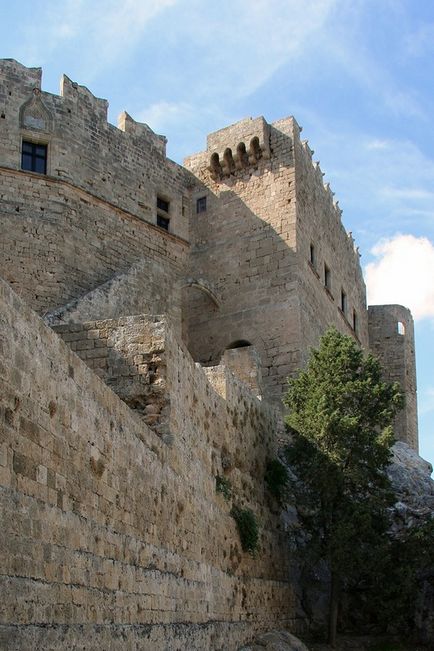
93	215
323	243
110	537
125	166
391	339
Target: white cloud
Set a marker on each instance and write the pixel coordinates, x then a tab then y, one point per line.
161	115
240	44
403	273
100	35
407	193
377	144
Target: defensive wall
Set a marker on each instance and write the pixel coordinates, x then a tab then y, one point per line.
112	537
93	215
184	296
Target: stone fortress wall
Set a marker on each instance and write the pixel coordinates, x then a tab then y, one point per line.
93	215
113	536
178	339
270	229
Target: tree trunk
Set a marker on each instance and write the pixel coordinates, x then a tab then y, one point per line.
333	608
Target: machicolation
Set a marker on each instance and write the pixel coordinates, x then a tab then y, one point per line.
150	316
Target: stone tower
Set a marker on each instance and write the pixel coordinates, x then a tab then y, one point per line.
243	246
268	238
391	338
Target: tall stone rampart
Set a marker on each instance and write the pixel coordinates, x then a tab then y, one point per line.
111	537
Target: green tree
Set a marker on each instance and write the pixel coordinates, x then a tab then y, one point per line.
340	415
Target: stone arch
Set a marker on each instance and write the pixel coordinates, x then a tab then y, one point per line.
199	305
228	161
215	165
254	150
242	159
203	286
238	343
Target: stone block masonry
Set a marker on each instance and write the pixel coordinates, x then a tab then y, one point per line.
128	354
106	541
113	535
391	333
242	244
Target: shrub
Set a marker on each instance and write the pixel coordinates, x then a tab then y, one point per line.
223	486
247	528
276	478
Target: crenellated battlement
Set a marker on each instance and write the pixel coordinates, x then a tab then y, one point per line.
124	165
259	229
73	97
241	254
334	211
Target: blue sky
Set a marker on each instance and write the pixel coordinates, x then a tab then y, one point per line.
356	74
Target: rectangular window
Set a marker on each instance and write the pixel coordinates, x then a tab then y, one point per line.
162	204
34	157
327	277
343	301
312	255
355	324
200	205
163	222
163	209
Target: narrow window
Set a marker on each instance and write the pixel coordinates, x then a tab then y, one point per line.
163	222
327	277
355	324
163	209
343	301
401	328
34	157
312	255
200	205
162	204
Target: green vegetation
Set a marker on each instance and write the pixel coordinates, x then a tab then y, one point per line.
247	528
340	415
388	646
276	478
223	486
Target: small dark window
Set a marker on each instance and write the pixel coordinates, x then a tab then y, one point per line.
343	301
327	277
312	255
34	157
355	324
201	205
162	204
163	222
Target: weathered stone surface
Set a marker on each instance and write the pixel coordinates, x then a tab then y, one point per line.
110	538
82	241
276	641
113	535
411	479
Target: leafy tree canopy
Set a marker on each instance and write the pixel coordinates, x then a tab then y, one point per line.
340	415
